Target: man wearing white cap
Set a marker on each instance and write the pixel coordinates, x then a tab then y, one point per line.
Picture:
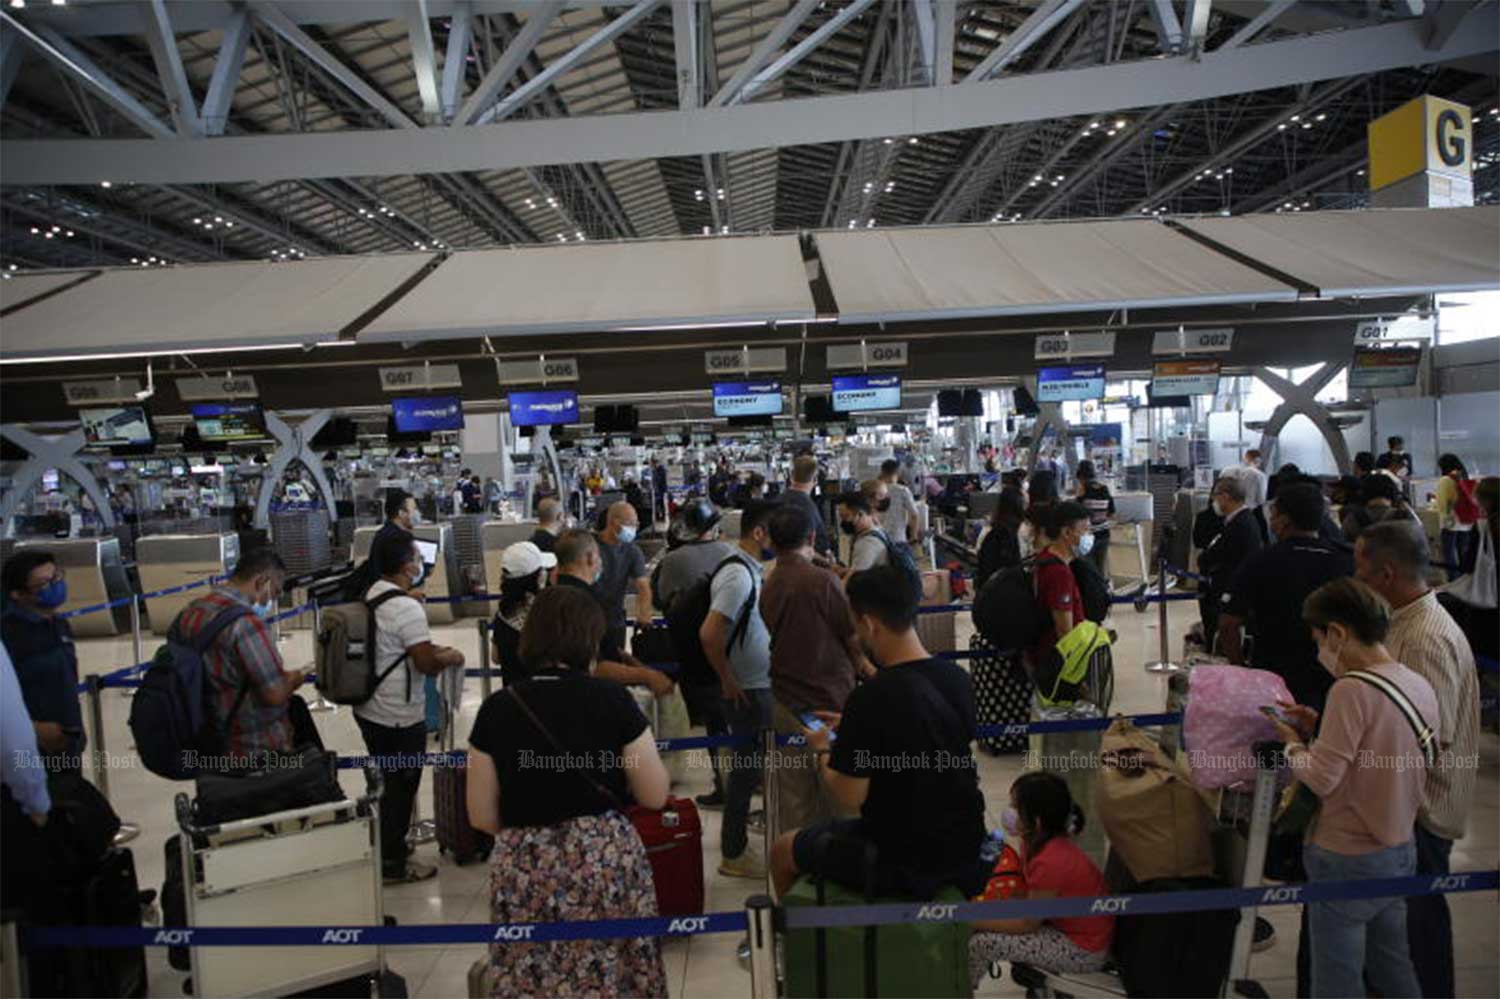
524	570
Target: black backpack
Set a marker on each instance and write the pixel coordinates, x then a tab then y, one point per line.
1094	589
354	586
685	619
1005	609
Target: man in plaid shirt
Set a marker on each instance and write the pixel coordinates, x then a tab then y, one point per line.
244	656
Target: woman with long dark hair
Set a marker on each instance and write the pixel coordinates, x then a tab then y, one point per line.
1041	491
1001	547
1456	534
1040	823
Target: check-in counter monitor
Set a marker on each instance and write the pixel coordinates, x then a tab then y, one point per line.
167	560
96	575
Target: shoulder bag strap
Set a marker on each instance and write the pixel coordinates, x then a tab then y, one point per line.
209	634
370	630
603	791
1426	738
741	625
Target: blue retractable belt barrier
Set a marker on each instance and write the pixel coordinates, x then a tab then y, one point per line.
734	922
124	601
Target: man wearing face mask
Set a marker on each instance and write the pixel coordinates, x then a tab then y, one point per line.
1068	536
579	564
1268	589
250	689
1237	538
901	757
393	720
41	647
856	513
624	566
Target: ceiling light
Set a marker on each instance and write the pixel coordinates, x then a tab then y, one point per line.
889	141
47	235
70	234
1281	127
1307	124
1120	123
18	4
105	183
35	231
1322	117
218	218
913	140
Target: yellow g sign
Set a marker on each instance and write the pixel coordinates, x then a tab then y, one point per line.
1425	134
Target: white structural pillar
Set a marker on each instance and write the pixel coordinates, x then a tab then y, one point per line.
295	445
1303	399
60	453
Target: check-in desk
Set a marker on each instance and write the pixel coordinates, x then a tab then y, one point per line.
167	560
436	540
96	574
496	536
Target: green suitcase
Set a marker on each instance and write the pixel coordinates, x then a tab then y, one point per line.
913	959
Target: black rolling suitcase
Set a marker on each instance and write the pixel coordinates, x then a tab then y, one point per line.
108	896
1002	694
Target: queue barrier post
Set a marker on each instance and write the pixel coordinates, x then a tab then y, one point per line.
771	797
1164	664
484	659
135	627
760	919
100	755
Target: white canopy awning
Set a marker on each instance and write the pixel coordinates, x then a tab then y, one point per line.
602	286
996	270
210	306
1383	252
17	290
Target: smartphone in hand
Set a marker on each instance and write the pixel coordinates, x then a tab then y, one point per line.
1274	713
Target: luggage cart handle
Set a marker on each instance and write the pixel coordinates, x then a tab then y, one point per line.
374	785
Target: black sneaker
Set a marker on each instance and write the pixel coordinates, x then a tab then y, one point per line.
1265	935
713	800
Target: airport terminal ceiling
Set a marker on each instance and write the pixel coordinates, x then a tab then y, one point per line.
282	131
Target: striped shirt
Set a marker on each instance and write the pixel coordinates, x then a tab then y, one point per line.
242	652
1427	639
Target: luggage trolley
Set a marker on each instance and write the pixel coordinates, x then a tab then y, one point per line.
318	865
1250	806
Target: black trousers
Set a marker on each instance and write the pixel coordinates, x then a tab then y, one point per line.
399	752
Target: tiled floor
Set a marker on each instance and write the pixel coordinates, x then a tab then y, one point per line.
705	966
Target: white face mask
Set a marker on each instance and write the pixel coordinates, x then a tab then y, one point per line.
1328	656
1085	545
421	573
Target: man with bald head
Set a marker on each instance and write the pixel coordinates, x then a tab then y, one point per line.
549	524
624	566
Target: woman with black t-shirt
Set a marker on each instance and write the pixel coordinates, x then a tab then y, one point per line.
553	762
1096	499
1000	547
523	571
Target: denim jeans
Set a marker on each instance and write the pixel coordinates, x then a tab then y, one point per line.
1429	925
703	702
1455	550
749	719
1360	939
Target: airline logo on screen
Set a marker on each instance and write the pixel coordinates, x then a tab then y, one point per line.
852	392
437	414
528	408
747	398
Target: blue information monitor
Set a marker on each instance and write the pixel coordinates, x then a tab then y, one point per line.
426	414
747	398
855	393
544	408
1070	384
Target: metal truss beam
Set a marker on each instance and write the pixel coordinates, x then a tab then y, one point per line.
685	42
1196	25
251	219
1032	30
504	69
62	53
1168	28
12	54
802	50
646	135
1248	141
174	82
226	75
1101	161
946	15
124	231
456	61
768	47
272	17
423	57
1258	23
555	69
1324	171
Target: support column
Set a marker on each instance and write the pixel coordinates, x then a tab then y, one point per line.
1302	399
60	453
295	444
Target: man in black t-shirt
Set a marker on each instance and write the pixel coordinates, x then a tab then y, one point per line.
901	756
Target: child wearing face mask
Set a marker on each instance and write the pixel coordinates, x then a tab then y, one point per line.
1040	823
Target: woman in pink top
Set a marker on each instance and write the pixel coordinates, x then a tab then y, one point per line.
1368	766
1041	823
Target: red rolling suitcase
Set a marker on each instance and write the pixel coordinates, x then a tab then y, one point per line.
450	808
673	838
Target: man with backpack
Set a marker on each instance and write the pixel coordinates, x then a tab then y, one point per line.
247	691
393	720
738	645
872	547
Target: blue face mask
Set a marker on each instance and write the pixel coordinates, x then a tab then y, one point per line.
1085	545
627	534
53	595
266	610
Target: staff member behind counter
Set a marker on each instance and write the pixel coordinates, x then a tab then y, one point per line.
41	647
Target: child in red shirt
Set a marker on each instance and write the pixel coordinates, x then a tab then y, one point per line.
1042	820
